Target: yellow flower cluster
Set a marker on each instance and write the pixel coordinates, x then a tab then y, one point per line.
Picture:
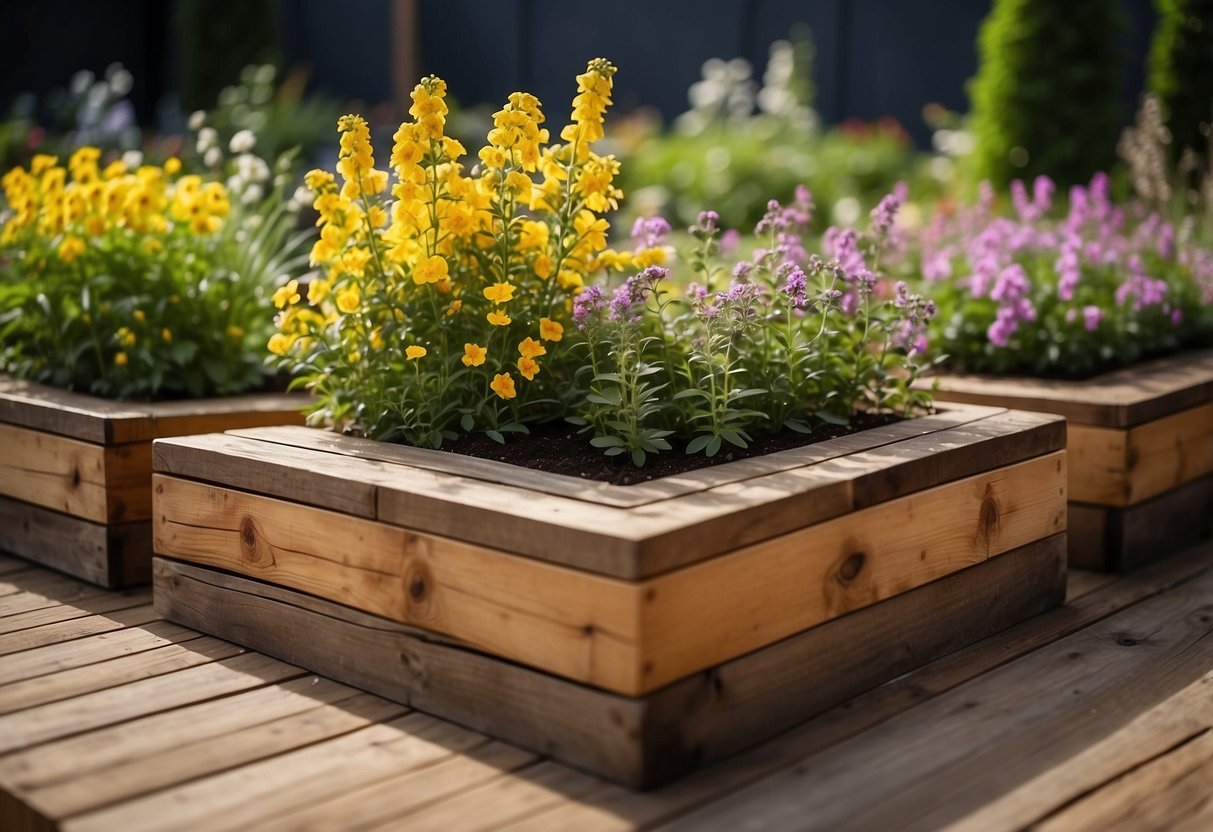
84	201
433	257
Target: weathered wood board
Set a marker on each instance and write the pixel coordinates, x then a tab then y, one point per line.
640	741
75	472
1137	439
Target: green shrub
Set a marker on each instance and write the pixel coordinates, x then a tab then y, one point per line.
1045	97
1181	69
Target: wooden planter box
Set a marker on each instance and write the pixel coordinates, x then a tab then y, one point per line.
1140	450
634	631
76	472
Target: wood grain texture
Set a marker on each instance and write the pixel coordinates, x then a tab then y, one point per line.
1120	399
74	628
625	637
106	422
111	555
640	742
319	468
1117	539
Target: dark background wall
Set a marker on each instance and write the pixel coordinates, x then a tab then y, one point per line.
874	57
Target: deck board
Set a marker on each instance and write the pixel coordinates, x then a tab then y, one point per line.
1098	711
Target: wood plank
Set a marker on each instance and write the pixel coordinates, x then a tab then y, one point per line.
1158	796
188	761
10	564
111	555
54	472
42	723
1150	738
75	628
1098	465
41	588
640	542
639	742
107	422
629	638
617	808
530	479
1165	453
98	604
772	590
251	795
52	658
1120	399
944	759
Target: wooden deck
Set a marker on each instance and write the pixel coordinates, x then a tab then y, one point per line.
1097	715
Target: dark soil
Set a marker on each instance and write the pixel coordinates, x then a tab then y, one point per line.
558	449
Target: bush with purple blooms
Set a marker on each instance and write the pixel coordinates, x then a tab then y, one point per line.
1064	291
786	340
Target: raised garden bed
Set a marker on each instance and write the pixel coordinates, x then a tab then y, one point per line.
636	631
75	472
1140	453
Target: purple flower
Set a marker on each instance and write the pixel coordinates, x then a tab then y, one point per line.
1092	316
587	304
795	286
741	270
884	214
706	225
650	232
730	241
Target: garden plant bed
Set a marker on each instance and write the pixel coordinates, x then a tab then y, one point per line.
1140	444
75	472
636	631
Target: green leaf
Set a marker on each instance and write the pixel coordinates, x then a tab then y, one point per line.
467	422
495	436
606	442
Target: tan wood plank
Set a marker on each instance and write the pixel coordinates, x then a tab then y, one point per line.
636	741
158	693
1119	399
1156	735
512	796
52	658
1098	460
617	808
654	536
1165	453
601	493
624	637
54	472
99	604
248	796
783	586
431	582
946	758
75	628
103	554
43	589
107	422
1158	796
185	762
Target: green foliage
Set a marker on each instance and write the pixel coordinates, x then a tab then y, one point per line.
216	39
1181	70
1045	97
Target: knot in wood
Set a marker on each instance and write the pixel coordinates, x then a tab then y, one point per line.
988	519
418	591
851	566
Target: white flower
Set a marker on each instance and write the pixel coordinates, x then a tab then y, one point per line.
252	167
197	119
243	142
120	79
132	159
212	157
252	195
208	138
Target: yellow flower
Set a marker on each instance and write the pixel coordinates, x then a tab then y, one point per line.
569	279
492	157
430	270
318	290
349	299
235	332
542	267
120	359
530	348
153	246
454	307
318	180
354	357
528	367
279	343
125	337
473	355
503	386
70	249
172	165
286	295
500	292
497	318
550	330
167	335
413	352
138	315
